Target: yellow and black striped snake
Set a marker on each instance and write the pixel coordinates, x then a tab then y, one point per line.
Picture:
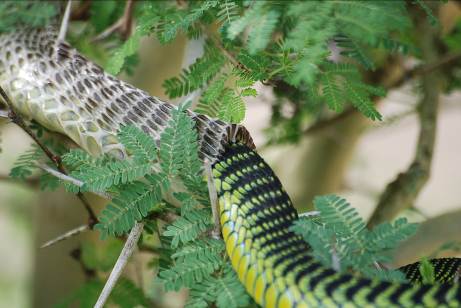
53	84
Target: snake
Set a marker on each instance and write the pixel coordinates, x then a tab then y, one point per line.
52	83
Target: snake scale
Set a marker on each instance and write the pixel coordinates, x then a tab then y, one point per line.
52	83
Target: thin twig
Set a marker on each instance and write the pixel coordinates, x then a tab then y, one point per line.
65	22
66	235
127	251
335	261
4	114
18	120
216	233
66	178
123	26
62	176
310	214
446	60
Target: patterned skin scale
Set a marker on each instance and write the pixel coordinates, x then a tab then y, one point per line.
274	264
445	270
51	83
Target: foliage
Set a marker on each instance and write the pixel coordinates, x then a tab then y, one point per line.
124	295
27	162
426	270
340	232
190	258
31	13
284	41
287	45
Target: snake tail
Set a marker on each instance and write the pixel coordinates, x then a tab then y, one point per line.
275	265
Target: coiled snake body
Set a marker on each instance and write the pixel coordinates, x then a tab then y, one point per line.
63	91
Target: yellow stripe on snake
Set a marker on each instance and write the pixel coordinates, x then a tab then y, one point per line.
53	84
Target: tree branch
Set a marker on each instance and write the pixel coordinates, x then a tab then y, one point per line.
123	26
32	181
18	120
431	235
403	191
127	251
66	235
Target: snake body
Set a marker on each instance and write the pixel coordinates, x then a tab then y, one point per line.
53	84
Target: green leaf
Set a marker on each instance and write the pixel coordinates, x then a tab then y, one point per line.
260	33
145	24
172	24
206	250
30	13
432	19
351	48
138	143
197	74
103	14
231	291
133	202
99	178
249	92
27	162
387	235
186	274
101	256
188	228
339	215
362	102
232	107
426	270
125	295
228	12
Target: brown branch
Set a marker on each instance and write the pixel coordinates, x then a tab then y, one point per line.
123	26
76	254
82	12
32	181
403	191
18	120
432	234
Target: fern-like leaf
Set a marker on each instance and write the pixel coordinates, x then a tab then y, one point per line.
196	75
189	227
231	294
351	48
186	274
388	235
172	24
205	250
26	162
138	143
339	215
228	12
99	178
144	26
133	203
261	32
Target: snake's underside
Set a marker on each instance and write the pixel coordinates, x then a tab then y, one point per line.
53	84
